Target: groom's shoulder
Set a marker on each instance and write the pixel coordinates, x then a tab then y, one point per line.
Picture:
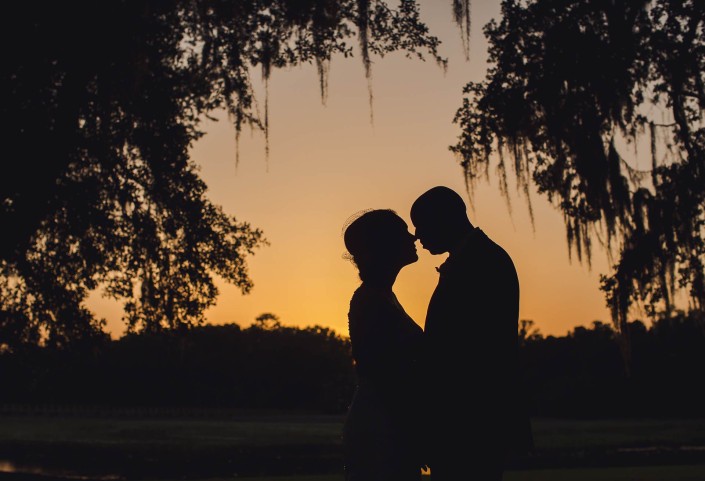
490	251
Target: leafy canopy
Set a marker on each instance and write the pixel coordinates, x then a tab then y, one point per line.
576	87
100	104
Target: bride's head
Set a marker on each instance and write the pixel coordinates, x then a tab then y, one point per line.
379	243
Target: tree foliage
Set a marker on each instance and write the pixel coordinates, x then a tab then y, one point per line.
576	375
599	105
101	102
209	366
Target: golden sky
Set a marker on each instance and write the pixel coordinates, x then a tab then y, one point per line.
329	161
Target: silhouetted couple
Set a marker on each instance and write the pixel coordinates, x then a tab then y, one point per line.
446	396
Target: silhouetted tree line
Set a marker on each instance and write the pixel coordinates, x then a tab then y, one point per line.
582	374
265	366
269	366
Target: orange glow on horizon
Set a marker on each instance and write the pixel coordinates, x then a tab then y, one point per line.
329	161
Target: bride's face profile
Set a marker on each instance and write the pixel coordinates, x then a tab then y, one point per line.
380	239
405	244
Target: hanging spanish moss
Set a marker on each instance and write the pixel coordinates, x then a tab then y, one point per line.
461	15
105	108
323	70
567	81
363	28
292	32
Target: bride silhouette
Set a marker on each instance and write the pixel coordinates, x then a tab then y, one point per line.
382	434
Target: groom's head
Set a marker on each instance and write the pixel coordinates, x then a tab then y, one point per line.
440	218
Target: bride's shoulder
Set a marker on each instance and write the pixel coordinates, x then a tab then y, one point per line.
367	307
366	297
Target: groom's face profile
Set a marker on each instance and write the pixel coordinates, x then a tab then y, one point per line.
429	233
439	217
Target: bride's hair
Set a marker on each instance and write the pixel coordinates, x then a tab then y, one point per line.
365	234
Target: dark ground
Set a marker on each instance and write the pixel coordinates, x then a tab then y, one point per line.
140	447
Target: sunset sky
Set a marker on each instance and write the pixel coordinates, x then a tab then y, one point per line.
329	161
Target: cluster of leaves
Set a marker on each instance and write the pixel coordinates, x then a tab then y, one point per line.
573	87
101	102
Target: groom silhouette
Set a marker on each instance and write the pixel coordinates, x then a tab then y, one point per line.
476	411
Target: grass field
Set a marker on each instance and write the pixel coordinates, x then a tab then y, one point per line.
651	473
648	473
273	429
307	448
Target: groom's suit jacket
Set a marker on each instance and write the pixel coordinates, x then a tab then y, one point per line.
472	338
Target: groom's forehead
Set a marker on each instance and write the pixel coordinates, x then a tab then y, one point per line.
424	216
421	208
430	204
